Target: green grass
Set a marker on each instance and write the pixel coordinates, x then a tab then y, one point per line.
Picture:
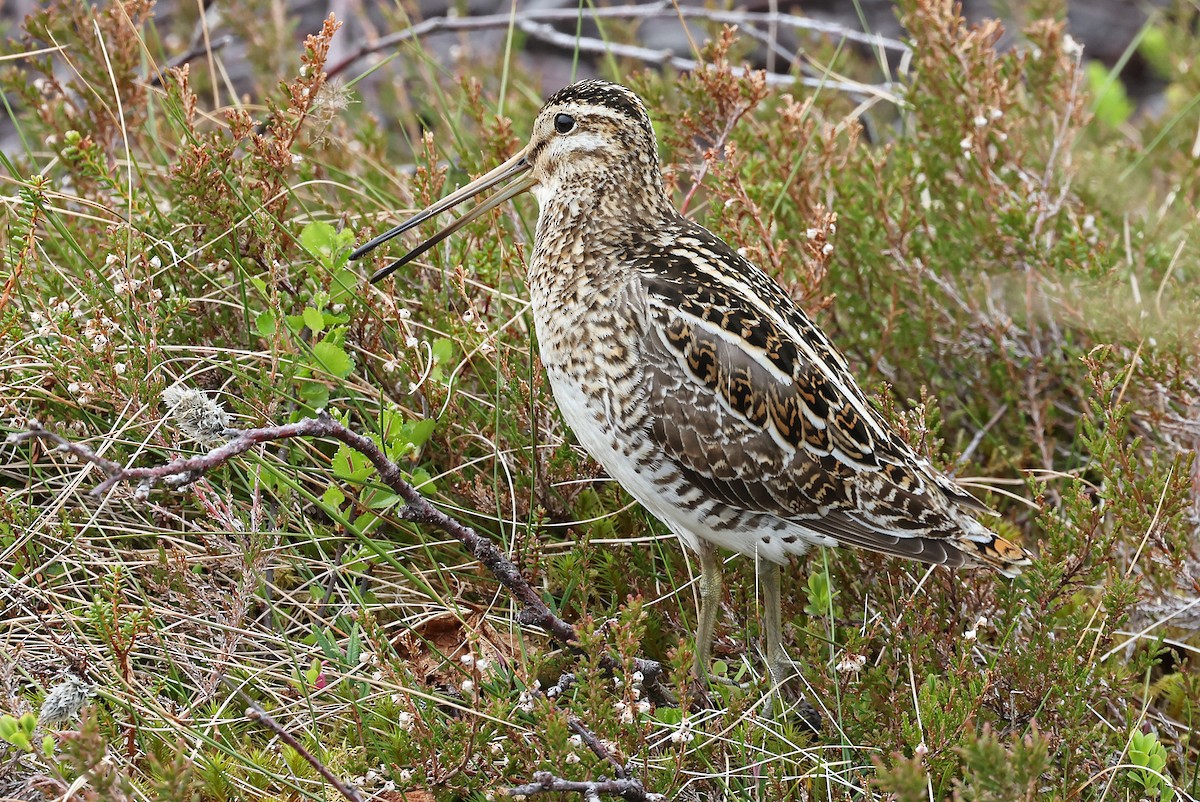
1013	276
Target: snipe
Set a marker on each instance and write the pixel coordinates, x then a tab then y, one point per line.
695	380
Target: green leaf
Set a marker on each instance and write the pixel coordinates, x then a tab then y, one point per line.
443	351
1110	103
333	497
350	465
1155	48
314	319
266	324
421	480
320	240
315	394
48	744
326	244
343	284
295	323
314	668
333	359
420	431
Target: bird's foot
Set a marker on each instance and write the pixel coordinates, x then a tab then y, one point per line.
707	692
786	697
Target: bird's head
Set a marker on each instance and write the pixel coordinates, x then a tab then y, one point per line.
590	138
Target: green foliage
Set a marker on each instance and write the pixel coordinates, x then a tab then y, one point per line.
1110	103
19	731
1150	756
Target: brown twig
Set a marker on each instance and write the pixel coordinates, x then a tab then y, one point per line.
544	782
256	713
183	471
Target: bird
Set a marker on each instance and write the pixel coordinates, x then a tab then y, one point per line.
696	381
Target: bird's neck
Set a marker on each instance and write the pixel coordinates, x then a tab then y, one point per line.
605	211
585	233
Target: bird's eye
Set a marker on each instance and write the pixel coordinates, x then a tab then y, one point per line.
563	123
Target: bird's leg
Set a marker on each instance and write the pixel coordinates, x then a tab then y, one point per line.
778	663
710	605
784	676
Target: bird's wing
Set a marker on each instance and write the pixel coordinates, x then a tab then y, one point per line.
756	406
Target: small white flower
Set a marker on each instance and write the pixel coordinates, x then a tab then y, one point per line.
111	260
481	328
483	664
572	758
120	368
297	158
683	734
404	314
965	143
467	659
1071	46
155	262
73	388
411	341
970	635
980	121
812	233
468	316
851	664
643	707
468	687
827	249
576	741
406	720
995	114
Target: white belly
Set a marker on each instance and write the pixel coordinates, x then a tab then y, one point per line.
642	472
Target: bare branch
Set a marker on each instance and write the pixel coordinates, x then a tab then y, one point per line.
536	22
256	713
567	41
178	472
544	782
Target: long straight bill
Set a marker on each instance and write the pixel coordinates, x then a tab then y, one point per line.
511	168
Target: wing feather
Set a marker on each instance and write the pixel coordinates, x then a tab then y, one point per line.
768	419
